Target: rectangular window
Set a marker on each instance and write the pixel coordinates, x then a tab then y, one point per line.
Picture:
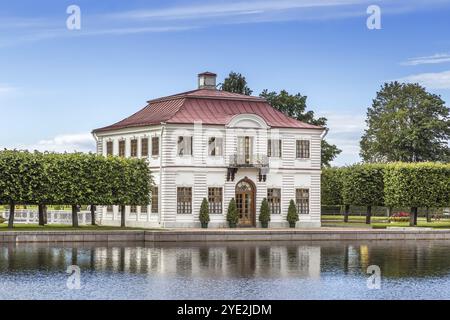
155	146
133	150
302	149
184	146
184	200
155	199
122	148
109	148
144	147
245	150
302	201
144	209
133	209
215	200
109	209
274	200
215	146
274	148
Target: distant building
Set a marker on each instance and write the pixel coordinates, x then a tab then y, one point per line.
217	145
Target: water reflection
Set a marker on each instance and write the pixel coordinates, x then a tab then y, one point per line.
223	270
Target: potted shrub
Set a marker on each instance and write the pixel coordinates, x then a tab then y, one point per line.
204	213
232	214
264	214
292	216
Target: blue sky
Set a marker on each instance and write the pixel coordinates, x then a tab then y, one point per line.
56	85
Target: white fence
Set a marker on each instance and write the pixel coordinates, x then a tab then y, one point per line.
53	216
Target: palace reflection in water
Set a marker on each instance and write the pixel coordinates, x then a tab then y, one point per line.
226	270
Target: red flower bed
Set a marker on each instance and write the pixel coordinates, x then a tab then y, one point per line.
399	217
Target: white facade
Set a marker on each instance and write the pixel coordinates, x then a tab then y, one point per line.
200	170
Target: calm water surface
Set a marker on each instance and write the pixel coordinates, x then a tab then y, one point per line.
235	270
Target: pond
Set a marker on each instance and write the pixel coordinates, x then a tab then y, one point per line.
227	270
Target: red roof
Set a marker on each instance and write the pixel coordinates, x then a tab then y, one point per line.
207	106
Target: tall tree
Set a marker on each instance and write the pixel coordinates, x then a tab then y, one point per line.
236	83
294	106
406	123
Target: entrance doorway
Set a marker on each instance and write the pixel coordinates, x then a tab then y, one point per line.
245	202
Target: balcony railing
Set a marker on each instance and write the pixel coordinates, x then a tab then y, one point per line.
251	161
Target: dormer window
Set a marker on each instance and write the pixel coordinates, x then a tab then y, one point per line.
184	146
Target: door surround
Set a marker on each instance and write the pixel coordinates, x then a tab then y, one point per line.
245	192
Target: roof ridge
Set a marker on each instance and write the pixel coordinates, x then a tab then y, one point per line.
227	96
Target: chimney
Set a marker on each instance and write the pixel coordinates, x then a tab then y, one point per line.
207	80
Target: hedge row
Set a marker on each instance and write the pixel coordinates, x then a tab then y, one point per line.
73	179
394	184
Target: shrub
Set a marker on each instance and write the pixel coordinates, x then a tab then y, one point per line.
204	212
264	215
292	216
232	213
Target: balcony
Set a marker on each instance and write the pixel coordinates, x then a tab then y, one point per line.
248	161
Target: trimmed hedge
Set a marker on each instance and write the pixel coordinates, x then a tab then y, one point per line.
411	185
417	185
74	179
332	185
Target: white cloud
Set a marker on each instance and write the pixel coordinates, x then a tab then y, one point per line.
434	59
6	89
235	8
345	132
82	142
432	80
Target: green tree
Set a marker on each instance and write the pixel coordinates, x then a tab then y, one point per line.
204	213
292	215
232	214
332	183
406	123
236	83
417	185
294	106
363	185
264	214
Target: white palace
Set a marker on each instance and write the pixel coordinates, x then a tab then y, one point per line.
208	143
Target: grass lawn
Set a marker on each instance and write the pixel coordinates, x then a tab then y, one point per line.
59	227
379	222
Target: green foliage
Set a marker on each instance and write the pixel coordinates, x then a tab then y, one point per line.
406	123
77	178
204	211
232	213
417	184
294	106
292	215
264	214
332	182
236	83
363	185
